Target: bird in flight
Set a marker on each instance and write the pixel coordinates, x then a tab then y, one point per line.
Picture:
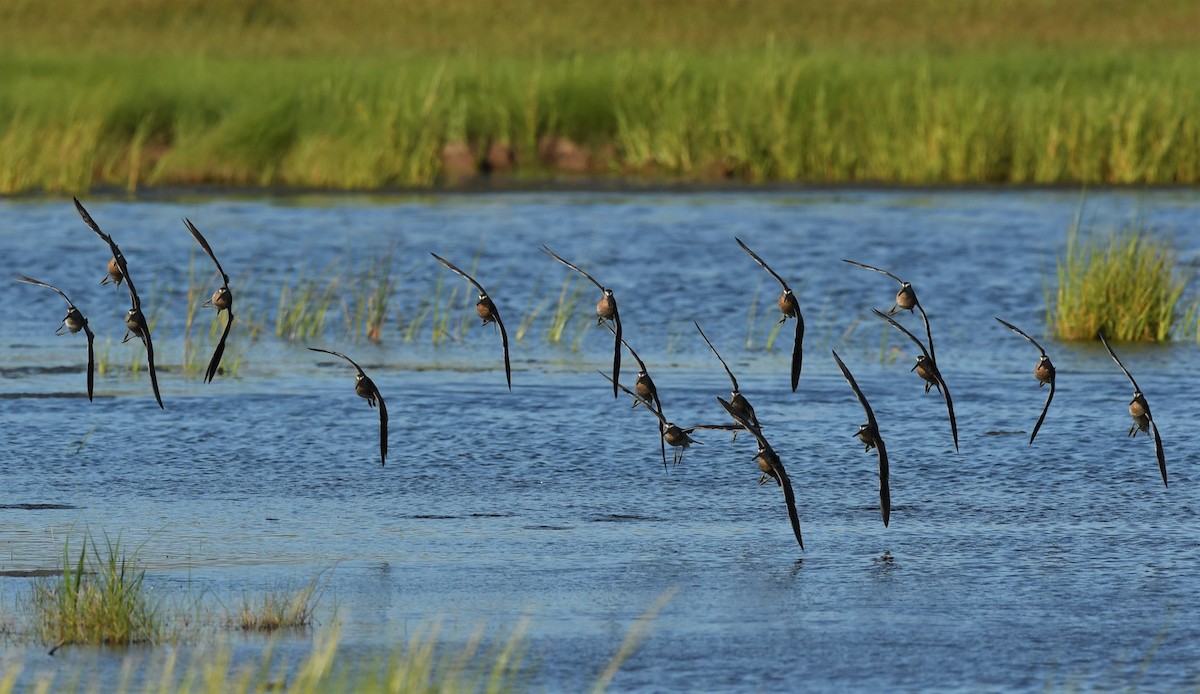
365	388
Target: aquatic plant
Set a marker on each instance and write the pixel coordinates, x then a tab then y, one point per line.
1126	284
564	308
303	306
97	601
280	608
373	288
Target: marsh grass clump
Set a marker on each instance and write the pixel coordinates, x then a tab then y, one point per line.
1126	284
280	608
99	600
304	306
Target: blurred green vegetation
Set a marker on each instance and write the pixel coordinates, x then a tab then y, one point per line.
369	94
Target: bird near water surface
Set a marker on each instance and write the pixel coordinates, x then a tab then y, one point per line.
73	323
906	300
771	467
736	400
869	434
486	309
678	437
648	392
1139	409
365	388
1043	372
789	306
606	309
926	367
135	320
222	300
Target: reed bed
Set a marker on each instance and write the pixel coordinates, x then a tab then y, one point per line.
281	608
787	92
1126	284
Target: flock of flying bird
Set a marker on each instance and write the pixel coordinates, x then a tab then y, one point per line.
644	392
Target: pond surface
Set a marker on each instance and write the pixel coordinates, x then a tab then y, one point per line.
1006	566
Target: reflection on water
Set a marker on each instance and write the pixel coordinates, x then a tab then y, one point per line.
1007	566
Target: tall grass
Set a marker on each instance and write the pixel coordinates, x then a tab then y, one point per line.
1126	284
281	608
97	601
368	96
303	307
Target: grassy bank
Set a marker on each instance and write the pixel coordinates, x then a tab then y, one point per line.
376	95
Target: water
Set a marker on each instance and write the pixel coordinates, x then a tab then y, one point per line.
1006	566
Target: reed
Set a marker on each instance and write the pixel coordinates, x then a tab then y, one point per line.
303	306
1126	284
568	299
97	601
366	314
281	608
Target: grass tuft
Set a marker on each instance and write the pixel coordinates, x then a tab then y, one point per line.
280	609
97	601
1126	284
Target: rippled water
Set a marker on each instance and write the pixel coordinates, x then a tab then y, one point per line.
1006	566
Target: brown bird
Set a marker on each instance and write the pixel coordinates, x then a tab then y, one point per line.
789	306
486	310
365	388
771	467
73	323
1043	371
736	400
222	300
927	369
135	320
869	434
678	437
906	300
1139	409
606	309
648	392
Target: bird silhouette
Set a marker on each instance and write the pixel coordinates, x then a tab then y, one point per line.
1043	371
869	434
73	323
365	388
789	306
1139	409
606	309
486	309
927	369
222	300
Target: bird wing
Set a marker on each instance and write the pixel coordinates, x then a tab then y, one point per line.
1113	354
789	497
207	248
116	252
559	258
904	330
383	427
862	399
30	280
504	342
885	490
871	267
949	405
761	262
732	379
91	338
220	350
616	347
150	357
343	356
1022	333
450	266
1158	451
798	351
1045	409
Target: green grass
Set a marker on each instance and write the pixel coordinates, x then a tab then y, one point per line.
97	601
280	609
1126	284
367	96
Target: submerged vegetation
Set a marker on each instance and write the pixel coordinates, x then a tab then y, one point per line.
384	94
1126	284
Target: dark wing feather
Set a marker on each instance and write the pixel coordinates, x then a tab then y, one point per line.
1158	451
761	262
1022	333
450	266
383	428
1113	354
756	432
648	405
220	350
789	498
343	356
928	331
798	351
30	280
885	489
732	379
870	267
616	347
207	248
150	359
949	406
904	330
504	342
1045	409
559	258
862	399
91	358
